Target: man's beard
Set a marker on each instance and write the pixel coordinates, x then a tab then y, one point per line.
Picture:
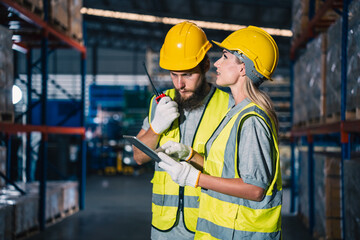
195	100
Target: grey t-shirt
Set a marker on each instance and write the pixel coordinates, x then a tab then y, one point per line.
255	164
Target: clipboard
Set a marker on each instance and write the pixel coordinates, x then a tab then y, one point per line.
140	145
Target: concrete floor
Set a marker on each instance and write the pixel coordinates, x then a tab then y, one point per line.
119	207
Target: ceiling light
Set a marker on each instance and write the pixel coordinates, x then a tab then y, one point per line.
173	21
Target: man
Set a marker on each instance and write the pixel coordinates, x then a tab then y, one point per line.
188	114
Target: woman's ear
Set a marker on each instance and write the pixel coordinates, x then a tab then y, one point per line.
242	69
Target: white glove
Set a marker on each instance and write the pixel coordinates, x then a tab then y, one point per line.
166	112
177	150
181	172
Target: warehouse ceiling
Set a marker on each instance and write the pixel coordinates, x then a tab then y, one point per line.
138	36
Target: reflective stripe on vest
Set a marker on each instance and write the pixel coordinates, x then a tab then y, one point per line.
223	216
165	200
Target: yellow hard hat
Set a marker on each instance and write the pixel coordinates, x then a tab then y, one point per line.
258	46
184	47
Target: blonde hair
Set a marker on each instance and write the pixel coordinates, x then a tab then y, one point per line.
260	98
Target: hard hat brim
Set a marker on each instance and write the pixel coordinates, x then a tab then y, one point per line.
217	43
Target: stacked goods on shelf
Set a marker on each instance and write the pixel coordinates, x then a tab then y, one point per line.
65	15
59	14
353	61
300	17
352	196
76	23
332	197
326	192
333	72
70	196
330	16
34	6
21	211
308	84
333	63
319	196
6	76
2	165
24	212
304	185
6	221
61	198
299	110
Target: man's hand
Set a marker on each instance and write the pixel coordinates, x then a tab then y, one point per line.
177	150
181	172
166	112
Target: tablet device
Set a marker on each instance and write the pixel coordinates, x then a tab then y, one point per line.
140	145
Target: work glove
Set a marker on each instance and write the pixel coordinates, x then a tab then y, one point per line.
181	172
177	150
166	112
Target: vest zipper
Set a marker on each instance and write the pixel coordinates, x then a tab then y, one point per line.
181	199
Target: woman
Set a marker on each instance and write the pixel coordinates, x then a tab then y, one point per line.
241	192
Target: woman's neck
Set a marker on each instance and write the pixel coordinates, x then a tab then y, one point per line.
237	91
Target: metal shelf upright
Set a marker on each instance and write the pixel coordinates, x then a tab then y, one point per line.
344	127
45	36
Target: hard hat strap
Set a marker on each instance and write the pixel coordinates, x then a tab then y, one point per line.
256	77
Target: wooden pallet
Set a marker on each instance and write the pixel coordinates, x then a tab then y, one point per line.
26	234
55	23
34	6
62	215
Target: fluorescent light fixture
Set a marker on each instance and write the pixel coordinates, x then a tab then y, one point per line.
173	21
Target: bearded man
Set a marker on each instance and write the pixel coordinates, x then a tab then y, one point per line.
189	114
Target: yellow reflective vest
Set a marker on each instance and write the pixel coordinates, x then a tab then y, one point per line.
168	196
222	216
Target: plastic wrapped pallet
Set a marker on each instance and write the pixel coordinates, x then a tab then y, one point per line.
308	83
6	220
25	212
333	70
300	18
34	6
71	196
352	196
353	59
332	197
319	195
2	165
304	186
54	198
6	75
60	14
313	78
299	92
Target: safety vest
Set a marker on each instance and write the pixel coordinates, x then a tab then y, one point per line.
222	216
168	196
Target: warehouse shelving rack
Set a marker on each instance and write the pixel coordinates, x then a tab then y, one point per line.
343	127
45	36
